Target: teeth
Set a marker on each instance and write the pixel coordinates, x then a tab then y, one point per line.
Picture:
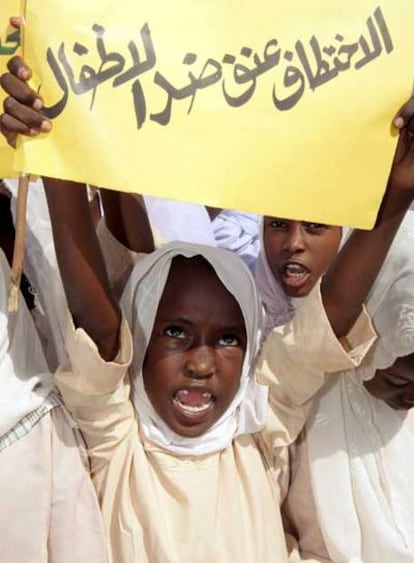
193	409
295	270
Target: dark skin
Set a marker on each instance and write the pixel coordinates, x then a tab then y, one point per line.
126	217
395	384
307	248
81	265
196	349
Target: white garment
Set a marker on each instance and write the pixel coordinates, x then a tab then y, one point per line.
239	233
277	305
176	220
24	379
42	271
247	412
361	452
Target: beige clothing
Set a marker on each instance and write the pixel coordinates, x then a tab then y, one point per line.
48	508
299	509
221	507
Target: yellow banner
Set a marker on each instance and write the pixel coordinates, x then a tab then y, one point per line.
9	46
256	105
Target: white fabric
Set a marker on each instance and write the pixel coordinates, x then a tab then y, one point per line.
43	272
247	412
361	452
176	220
277	305
238	232
24	379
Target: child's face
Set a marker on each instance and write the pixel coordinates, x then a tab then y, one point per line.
195	355
395	385
299	252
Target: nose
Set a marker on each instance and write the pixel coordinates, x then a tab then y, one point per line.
294	240
200	363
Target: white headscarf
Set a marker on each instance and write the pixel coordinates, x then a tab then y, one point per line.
361	452
247	412
277	305
24	379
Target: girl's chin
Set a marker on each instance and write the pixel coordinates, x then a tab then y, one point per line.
188	422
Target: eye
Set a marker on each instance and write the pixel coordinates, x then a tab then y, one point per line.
175	331
229	340
277	224
315	227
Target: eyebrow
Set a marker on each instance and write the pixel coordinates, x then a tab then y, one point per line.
180	320
185	320
239	328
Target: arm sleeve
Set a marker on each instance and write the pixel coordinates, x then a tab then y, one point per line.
296	360
76	530
97	393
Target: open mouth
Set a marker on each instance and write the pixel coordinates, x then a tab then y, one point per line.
193	402
294	274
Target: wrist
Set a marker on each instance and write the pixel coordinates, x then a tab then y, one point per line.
394	205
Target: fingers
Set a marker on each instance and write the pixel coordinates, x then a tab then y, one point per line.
29	117
404	117
19	119
17	22
19	68
11	127
6	130
21	107
20	91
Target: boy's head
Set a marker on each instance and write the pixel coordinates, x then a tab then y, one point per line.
195	355
299	252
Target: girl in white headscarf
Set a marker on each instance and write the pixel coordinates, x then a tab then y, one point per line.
356	458
186	464
48	508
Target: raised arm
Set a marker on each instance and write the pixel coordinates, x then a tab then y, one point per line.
81	265
127	219
348	281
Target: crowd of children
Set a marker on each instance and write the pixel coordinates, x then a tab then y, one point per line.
197	412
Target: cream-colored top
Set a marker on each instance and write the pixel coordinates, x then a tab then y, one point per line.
221	507
48	507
